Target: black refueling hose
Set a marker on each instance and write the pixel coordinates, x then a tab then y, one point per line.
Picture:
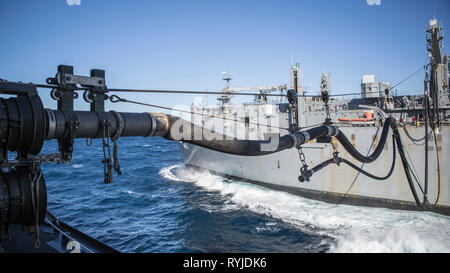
186	131
183	130
405	164
338	160
415	140
396	141
245	147
357	155
371	175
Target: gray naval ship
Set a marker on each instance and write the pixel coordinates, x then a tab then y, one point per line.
378	150
324	168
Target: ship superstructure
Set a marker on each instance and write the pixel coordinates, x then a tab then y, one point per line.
416	181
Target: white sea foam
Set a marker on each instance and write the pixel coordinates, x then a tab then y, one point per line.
132	193
353	229
77	166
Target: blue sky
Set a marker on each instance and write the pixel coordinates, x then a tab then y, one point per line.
187	44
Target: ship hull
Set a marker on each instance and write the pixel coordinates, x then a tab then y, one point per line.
340	184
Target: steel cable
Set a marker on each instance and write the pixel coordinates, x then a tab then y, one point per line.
115	99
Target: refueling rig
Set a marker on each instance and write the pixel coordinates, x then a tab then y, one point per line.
25	125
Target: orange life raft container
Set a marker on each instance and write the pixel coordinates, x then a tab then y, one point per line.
368	116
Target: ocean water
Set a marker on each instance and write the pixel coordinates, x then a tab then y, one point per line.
158	205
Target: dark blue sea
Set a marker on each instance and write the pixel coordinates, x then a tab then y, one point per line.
158	205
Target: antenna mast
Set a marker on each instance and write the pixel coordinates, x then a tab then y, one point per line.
225	98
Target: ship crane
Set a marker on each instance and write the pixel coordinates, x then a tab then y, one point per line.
263	90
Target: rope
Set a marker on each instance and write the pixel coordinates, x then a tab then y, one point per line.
371	175
357	175
191	92
407	78
219	92
414	140
115	99
438	169
224	93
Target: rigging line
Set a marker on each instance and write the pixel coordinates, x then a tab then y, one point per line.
191	92
411	162
197	92
405	79
339	95
45	86
115	99
413	170
351	94
359	172
310	126
438	169
229	93
369	174
224	93
170	91
413	140
203	92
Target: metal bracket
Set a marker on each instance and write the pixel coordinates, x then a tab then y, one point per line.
64	93
97	92
67	83
69	78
